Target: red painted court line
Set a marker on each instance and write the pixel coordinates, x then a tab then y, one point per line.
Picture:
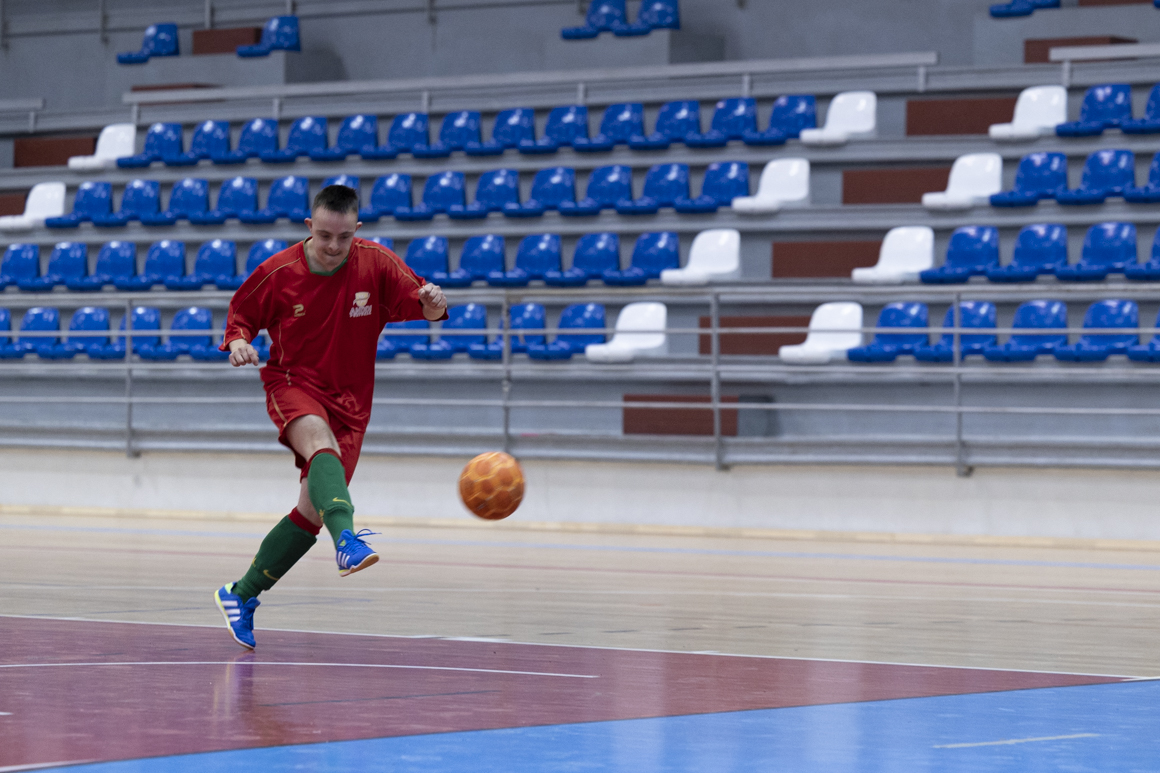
216	696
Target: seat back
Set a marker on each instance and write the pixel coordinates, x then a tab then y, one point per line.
553	185
407	341
188	196
1109	244
641	325
258	136
1041	245
141	197
604	14
1111	314
262	251
358	133
210	138
1040	106
289	194
1042	173
117	259
116	141
444	189
567	123
1042	315
307	134
853	111
667	182
726	180
1154	171
21	261
974	314
145	319
538	254
609	184
165	258
1107	104
716	251
835	326
239	194
5	326
39	319
581	316
194	318
975	247
622	121
976	174
514	125
45	200
785	179
407	131
903	314
216	258
69	260
1109	170
345	180
391	191
498	187
597	253
654	252
163	140
384	241
659	14
527	316
483	254
460	128
794	112
93	198
469	316
281	32
677	120
735	116
89	319
907	249
427	255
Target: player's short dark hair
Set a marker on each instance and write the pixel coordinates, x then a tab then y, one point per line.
336	198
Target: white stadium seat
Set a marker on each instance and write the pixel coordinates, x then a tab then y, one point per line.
44	200
1038	111
783	181
823	347
714	257
116	140
640	332
974	178
851	114
905	252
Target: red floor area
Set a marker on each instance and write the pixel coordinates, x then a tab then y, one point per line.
150	690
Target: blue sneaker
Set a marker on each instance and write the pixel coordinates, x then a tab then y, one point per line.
352	554
239	616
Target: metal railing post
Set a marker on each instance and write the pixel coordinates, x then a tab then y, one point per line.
102	21
581	93
715	383
425	102
746	85
961	468
921	78
3	25
129	450
209	14
276	108
506	385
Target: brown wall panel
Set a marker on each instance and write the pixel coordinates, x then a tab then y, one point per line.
12	203
926	117
1035	50
676	421
892	186
50	151
807	260
754	343
224	41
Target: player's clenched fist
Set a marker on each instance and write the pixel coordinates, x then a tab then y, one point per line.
433	300
242	353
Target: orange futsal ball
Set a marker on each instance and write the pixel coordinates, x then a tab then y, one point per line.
492	485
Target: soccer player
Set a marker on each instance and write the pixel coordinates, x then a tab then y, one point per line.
324	302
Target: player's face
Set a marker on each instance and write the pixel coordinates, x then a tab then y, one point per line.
332	233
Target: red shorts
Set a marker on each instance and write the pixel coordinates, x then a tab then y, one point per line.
286	403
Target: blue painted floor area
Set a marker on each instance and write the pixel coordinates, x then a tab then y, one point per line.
1112	728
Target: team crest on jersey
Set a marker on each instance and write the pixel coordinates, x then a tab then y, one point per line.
360	307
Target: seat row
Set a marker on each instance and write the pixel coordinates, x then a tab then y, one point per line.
611	16
1041	110
1106	173
280	33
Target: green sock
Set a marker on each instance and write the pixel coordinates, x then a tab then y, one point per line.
326	485
280	550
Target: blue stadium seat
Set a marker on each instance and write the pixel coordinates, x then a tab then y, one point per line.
791	113
358	134
216	264
1024	347
594	255
116	260
5	327
457	130
723	182
210	138
620	122
1105	173
346	180
238	196
92	198
885	347
974	314
578	316
306	134
163	140
146	319
262	251
565	124
280	33
1103	107
289	197
390	192
391	344
141	197
1149	123
494	191
440	192
469	316
653	15
1097	347
1039	176
607	186
385	241
663	186
1108	248
1145	352
189	330
1150	192
675	121
427	255
258	136
20	262
511	128
551	188
67	260
407	131
537	255
652	254
973	249
38	319
1040	248
481	256
159	40
731	119
522	316
1021	8
164	261
187	198
603	15
1150	271
89	319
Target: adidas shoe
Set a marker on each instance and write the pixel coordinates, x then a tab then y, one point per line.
352	554
239	616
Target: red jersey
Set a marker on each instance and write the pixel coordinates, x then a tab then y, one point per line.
324	329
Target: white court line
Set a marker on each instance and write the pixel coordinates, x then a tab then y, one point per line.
5	714
285	663
43	765
1013	741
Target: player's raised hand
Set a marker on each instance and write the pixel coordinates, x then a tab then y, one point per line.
242	353
433	300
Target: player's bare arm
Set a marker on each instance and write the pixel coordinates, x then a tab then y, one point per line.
241	353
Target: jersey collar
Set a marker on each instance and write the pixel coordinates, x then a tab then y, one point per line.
306	262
